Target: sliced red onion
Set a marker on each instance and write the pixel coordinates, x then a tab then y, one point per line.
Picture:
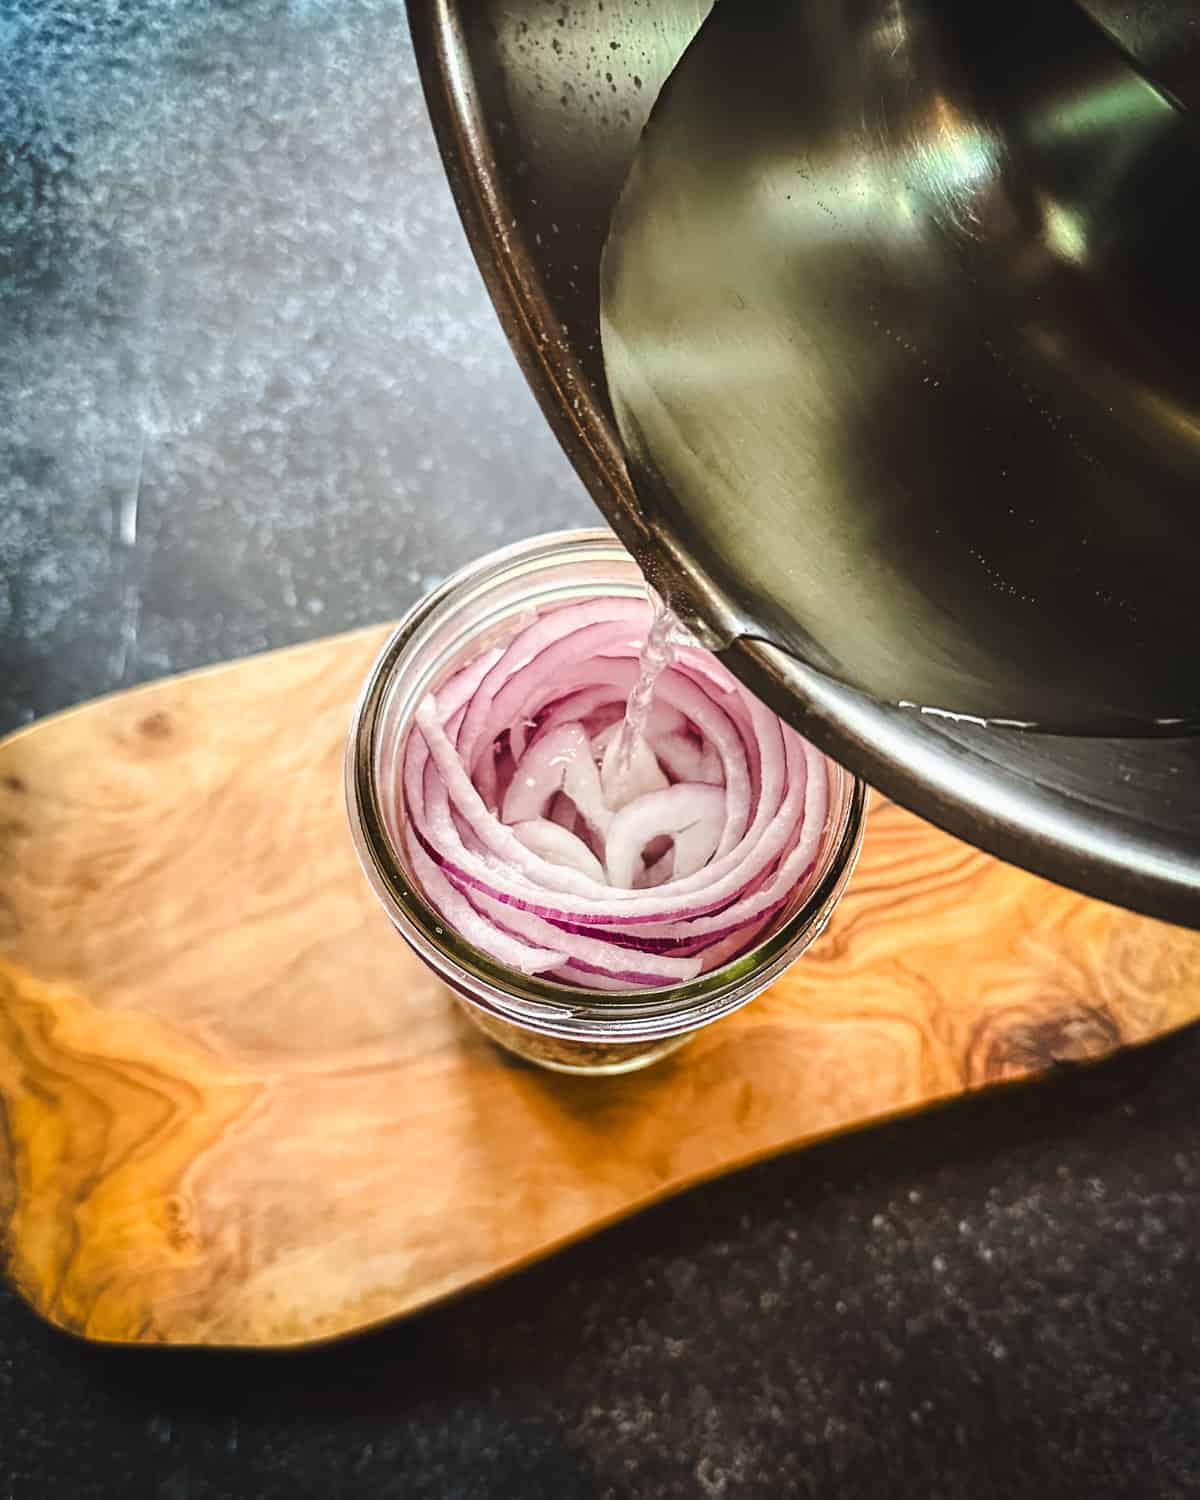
675	813
661	720
625	780
558	845
536	640
511	873
560	761
603	957
715	722
468	923
687	759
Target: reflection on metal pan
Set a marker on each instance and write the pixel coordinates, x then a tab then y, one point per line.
538	139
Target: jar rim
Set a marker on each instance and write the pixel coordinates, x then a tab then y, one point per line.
550	1006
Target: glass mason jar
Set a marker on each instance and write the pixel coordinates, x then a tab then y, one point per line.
547	1022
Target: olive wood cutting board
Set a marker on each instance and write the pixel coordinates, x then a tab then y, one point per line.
235	1110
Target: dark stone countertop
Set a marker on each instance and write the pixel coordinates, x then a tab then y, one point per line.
251	391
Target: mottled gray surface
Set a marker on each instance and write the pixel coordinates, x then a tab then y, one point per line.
997	1301
252	391
251	386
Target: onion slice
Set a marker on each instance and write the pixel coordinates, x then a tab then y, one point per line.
558	845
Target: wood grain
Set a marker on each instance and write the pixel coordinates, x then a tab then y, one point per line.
235	1110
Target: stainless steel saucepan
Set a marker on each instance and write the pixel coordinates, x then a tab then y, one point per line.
900	315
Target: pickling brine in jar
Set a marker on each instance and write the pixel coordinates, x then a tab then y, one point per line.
580	818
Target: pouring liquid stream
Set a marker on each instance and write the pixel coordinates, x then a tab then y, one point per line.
656	655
